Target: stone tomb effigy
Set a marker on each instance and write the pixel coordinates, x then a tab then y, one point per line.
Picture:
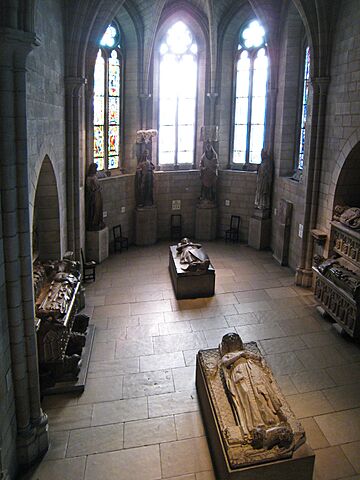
251	430
191	272
64	338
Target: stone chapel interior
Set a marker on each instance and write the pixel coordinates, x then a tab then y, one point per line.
79	79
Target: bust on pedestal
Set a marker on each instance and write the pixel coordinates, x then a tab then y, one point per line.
146	211
260	222
206	210
97	233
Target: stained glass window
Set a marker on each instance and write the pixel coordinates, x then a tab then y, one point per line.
304	108
177	96
108	75
250	95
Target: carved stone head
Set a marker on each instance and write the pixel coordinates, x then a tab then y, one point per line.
231	342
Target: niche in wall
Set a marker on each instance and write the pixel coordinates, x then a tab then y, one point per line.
348	185
46	219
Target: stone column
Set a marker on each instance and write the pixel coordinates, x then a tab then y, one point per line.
31	423
320	85
74	121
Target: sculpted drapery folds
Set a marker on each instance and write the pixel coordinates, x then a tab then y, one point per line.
257	407
93	200
208	173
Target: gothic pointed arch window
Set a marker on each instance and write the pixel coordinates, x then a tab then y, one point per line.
177	95
108	93
304	109
251	76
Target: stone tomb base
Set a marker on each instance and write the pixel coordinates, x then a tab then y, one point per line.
97	245
190	285
205	225
145	225
298	467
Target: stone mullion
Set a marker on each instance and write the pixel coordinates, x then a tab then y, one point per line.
73	142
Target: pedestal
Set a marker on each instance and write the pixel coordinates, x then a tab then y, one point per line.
145	225
97	245
259	233
206	222
190	284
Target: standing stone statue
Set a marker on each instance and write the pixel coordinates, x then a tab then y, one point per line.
264	182
144	181
93	200
208	173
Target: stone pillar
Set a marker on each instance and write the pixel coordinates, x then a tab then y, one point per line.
74	120
145	225
320	86
31	423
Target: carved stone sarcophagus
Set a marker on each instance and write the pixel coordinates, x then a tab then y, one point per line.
337	280
251	430
60	334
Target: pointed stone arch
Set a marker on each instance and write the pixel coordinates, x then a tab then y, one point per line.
46	215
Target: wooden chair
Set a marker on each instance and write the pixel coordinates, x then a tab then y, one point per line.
232	234
120	242
88	269
175	227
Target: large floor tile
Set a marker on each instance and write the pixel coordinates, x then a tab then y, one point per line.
69	418
161	361
149	431
352	452
102	389
86	441
134	463
148	383
172	403
120	411
332	464
185	456
309	404
189	425
340	427
67	468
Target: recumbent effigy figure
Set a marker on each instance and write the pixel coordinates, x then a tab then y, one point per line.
348	216
256	405
192	256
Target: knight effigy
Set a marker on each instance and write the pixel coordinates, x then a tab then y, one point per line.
61	333
254	422
193	258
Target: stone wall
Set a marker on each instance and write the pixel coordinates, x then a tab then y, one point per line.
46	104
287	132
236	187
7	410
343	106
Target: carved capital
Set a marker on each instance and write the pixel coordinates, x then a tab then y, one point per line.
321	84
16	46
73	85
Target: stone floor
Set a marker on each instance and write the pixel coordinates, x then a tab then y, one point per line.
138	418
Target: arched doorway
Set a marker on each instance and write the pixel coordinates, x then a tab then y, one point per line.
347	190
46	219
